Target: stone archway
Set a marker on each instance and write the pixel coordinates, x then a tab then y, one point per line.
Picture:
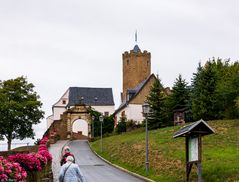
80	125
72	115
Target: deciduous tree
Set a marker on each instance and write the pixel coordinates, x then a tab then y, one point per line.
20	108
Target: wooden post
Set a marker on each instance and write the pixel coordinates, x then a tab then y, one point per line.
187	173
199	158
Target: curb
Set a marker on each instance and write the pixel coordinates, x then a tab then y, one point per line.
121	168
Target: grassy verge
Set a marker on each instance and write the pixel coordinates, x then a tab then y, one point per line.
167	155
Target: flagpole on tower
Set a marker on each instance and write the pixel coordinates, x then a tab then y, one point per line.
135	36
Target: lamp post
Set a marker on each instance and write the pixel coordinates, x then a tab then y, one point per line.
93	131
101	118
146	108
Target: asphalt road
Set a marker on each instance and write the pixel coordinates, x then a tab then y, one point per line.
94	169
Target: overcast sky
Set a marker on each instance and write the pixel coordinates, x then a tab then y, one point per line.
61	43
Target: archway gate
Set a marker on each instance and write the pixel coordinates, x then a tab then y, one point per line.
63	127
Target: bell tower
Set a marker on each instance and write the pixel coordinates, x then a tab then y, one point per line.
136	68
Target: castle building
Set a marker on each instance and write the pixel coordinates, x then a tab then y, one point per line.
100	99
137	82
136	68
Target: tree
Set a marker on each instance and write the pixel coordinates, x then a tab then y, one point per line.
107	125
204	92
228	90
180	93
19	109
156	99
179	99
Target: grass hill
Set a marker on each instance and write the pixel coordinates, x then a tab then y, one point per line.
220	158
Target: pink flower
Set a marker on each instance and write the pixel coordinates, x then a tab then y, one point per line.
46	154
8	165
1	169
3	177
24	174
11	170
8	171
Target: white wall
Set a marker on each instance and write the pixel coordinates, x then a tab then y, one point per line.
49	121
132	111
80	125
59	107
104	109
64	97
57	111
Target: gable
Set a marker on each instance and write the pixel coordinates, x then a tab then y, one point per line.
139	93
140	97
63	101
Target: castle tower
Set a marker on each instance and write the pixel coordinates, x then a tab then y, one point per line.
136	68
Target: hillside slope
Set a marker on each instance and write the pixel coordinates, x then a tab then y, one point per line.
167	155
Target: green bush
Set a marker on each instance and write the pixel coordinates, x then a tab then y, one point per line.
121	126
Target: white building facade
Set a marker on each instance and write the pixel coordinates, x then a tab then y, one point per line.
100	99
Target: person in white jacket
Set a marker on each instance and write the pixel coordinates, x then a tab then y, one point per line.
70	172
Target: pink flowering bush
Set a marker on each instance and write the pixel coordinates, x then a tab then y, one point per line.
42	149
17	165
11	171
28	161
43	141
45	154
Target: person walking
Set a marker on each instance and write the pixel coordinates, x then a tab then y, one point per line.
71	172
66	152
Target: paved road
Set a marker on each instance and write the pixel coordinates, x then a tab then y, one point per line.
94	169
55	150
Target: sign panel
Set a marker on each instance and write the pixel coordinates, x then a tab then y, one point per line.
193	149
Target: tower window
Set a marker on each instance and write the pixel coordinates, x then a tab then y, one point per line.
127	61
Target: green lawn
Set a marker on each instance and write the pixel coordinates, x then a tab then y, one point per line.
167	155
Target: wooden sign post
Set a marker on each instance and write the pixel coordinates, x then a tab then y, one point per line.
193	135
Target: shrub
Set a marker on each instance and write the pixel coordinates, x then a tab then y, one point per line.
132	125
28	161
11	171
45	154
121	126
33	161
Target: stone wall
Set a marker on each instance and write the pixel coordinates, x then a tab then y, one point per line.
136	68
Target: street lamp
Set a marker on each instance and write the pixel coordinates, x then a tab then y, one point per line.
93	131
146	109
101	118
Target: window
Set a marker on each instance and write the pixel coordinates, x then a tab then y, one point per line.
123	114
63	101
106	113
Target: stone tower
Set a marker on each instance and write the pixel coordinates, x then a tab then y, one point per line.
136	68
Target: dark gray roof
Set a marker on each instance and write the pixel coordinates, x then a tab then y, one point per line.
136	49
90	96
134	91
194	128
